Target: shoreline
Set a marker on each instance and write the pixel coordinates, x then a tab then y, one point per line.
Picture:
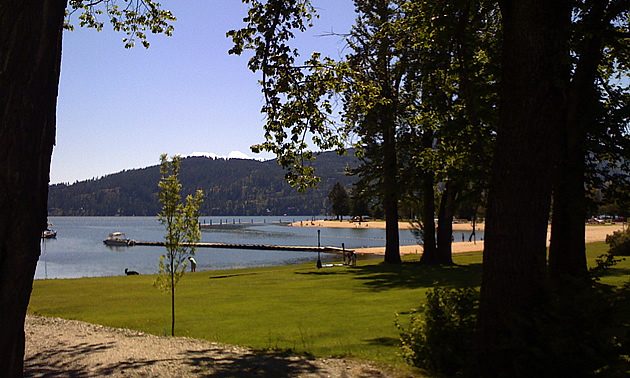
593	233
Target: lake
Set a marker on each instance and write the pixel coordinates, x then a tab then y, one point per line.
78	251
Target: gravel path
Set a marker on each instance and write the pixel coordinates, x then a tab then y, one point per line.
68	348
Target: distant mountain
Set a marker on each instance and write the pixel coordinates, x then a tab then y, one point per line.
231	187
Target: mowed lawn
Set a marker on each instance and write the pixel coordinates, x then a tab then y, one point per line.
336	311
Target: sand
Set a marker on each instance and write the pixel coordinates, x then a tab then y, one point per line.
594	233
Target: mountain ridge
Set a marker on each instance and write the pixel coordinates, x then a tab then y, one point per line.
230	186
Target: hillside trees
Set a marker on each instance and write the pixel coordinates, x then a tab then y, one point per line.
234	187
30	56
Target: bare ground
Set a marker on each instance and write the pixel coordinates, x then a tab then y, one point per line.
69	348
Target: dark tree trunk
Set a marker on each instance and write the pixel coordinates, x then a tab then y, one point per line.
513	294
443	253
30	58
567	252
428	206
390	195
445	224
428	219
387	121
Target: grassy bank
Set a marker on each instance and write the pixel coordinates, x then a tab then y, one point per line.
338	311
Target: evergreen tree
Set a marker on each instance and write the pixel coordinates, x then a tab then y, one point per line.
339	201
359	206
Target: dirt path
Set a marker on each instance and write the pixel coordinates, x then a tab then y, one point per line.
69	348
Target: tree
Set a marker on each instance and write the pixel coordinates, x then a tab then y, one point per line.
513	293
359	206
182	229
339	201
407	88
593	136
298	96
451	122
30	56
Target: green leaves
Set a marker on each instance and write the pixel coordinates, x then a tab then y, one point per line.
298	106
135	19
181	221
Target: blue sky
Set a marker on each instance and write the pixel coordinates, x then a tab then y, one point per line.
122	108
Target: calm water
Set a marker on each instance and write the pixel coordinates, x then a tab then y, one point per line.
79	251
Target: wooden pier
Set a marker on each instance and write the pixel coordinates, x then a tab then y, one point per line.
262	247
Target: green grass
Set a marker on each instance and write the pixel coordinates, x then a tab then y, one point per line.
338	311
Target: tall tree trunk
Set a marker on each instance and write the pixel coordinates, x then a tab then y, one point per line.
387	120
513	294
390	194
428	206
445	224
30	59
428	219
567	252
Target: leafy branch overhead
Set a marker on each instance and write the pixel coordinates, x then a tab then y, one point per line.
135	18
298	95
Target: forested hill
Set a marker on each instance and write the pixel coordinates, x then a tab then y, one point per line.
231	187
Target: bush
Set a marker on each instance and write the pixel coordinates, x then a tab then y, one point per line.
619	242
440	336
586	331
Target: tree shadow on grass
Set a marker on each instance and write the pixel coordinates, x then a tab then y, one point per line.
616	272
410	275
384	341
413	275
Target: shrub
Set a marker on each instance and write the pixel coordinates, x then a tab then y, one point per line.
440	336
619	242
586	330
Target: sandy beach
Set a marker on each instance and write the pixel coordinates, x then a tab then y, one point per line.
594	233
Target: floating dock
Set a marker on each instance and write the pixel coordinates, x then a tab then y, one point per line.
262	247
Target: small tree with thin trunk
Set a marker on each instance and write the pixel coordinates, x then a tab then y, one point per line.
182	228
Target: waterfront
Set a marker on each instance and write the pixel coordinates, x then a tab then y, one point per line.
79	251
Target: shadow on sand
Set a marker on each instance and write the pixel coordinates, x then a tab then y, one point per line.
215	361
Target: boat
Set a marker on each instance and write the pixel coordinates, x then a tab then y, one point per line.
118	239
49	233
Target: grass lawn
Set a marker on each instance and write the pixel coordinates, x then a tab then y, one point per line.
338	311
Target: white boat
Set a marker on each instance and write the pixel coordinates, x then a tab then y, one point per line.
118	239
49	233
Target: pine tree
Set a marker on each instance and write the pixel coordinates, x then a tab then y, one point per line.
339	201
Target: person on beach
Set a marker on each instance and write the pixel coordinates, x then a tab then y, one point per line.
193	264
